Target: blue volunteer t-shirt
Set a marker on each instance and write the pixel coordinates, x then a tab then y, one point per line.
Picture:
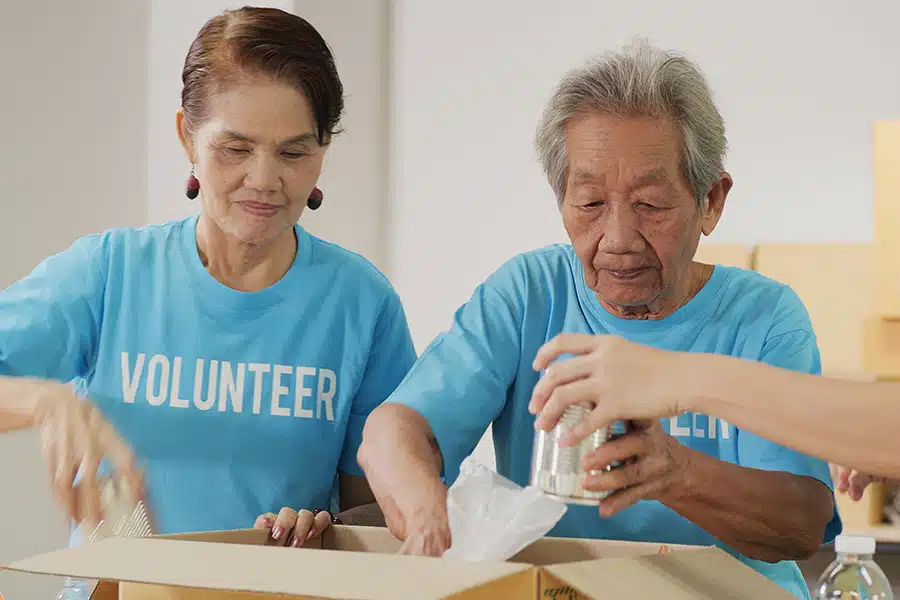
480	372
235	403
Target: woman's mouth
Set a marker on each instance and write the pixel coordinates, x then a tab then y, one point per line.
260	209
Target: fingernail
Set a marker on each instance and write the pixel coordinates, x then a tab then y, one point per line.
309	535
277	531
295	542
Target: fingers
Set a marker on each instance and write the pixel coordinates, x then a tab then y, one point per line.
64	475
426	545
284	524
583	391
622	499
321	522
624	476
565	343
620	449
600	417
265	521
119	455
858	482
90	507
302	528
558	374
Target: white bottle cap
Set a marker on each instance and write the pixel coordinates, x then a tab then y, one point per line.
854	544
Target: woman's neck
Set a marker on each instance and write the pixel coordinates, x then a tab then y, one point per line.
242	266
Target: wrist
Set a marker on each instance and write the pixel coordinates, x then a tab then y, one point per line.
705	378
685	483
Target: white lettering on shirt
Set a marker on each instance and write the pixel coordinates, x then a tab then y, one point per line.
303	392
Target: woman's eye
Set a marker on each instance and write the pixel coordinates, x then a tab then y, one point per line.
232	150
294	154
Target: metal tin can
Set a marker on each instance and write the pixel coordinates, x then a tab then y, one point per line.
557	471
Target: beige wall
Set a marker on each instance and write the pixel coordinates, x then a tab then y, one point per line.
72	114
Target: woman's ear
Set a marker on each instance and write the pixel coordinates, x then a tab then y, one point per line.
184	136
715	203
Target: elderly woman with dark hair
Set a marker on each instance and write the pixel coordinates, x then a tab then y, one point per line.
633	147
226	362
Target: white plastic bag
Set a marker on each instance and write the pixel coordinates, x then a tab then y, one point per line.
492	518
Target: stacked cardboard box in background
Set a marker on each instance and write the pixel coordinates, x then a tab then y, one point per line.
881	332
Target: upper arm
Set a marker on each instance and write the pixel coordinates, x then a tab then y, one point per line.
791	344
391	355
459	384
50	319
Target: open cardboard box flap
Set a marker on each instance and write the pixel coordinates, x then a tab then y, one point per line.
359	563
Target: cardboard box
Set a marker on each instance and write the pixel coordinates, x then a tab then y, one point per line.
881	347
886	183
360	563
838	323
865	513
728	255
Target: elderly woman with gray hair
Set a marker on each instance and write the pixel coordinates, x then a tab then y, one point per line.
633	147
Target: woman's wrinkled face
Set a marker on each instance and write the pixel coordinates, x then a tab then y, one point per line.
257	158
630	214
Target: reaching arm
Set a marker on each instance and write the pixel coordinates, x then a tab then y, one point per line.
49	326
17	404
844	422
415	442
391	355
765	515
401	458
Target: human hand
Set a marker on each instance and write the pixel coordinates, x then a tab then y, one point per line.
428	528
620	380
75	436
422	522
294	528
654	466
851	482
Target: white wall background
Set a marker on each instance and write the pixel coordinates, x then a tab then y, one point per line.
72	110
798	83
437	182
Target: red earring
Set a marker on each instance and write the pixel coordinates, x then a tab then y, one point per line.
192	188
315	199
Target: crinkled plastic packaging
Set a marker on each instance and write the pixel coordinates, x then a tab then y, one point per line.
492	518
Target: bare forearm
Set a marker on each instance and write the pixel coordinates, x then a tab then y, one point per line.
398	453
18	407
850	423
765	515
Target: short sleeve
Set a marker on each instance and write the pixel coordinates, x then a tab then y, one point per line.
391	355
791	344
460	383
50	319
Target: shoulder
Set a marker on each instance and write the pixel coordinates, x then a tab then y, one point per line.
117	244
351	270
534	268
776	302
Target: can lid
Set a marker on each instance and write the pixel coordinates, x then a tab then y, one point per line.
854	544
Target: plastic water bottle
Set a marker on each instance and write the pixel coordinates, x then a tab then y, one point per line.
853	574
76	589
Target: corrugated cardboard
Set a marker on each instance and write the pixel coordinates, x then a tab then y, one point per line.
881	347
728	255
838	305
886	184
360	563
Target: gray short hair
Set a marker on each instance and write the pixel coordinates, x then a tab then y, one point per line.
639	81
